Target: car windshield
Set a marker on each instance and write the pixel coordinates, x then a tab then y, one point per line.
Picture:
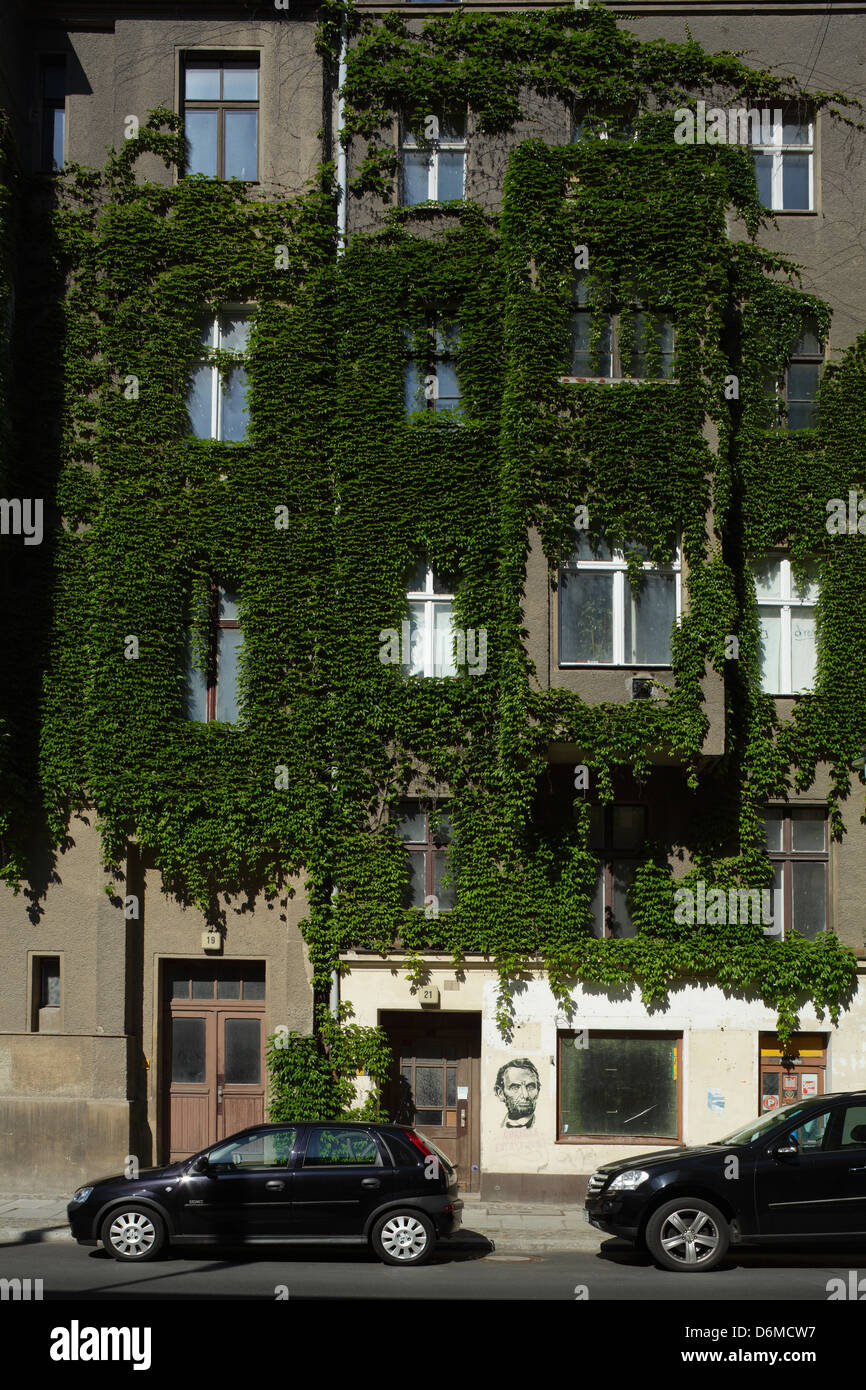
756	1128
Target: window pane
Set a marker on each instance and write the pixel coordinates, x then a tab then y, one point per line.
443	640
54	77
597	905
795	131
770	623
415	168
235	408
809	343
773	821
243	1052
452	125
254	989
803	651
629	826
202	987
585	617
202	84
200	401
196	688
413	394
583	361
768	577
620	1086
854	1126
764	176
417	629
188	1050
802	415
230	641
808	829
811	1134
180	985
228	606
201	137
619	921
228	989
450	175
649	617
584	549
429	1090
57	117
803	381
449	391
417	889
777	901
234	328
446	893
806	589
809	896
412	827
241	84
795	181
241	135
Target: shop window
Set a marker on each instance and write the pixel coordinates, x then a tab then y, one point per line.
793	1072
619	1086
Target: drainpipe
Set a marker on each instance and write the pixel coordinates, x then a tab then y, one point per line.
341	153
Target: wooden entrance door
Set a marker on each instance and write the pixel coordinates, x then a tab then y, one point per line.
214	1061
435	1082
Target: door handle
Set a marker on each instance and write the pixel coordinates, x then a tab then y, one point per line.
274	1185
220	1094
862	1169
370	1182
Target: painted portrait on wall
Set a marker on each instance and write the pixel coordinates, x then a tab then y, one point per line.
517	1086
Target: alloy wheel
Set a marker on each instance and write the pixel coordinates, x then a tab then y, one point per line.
690	1237
403	1237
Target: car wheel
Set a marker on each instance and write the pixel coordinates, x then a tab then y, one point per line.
133	1233
404	1238
688	1235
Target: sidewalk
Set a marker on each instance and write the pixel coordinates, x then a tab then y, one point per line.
513	1227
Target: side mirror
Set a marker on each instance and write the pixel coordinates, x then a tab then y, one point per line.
786	1150
200	1165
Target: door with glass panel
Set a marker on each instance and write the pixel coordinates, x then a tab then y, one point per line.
214	1058
435	1084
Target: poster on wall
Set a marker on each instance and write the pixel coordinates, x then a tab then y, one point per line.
770	1102
809	1084
789	1087
518	1086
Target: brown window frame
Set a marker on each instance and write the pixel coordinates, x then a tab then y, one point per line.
787	856
566	1036
607	855
215	626
429	846
48	105
194	59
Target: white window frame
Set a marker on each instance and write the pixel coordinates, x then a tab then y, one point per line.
215	344
409	145
430	599
618	567
785	603
440	353
778	149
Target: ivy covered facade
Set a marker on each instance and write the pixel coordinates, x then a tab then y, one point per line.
445	656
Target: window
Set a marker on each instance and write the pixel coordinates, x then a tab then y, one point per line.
430	382
45	994
618	126
616	834
786	612
630	343
431	880
53	80
619	1086
221	117
784	167
796	839
602	621
212	684
795	396
433	163
330	1147
431	624
272	1149
207	980
217	401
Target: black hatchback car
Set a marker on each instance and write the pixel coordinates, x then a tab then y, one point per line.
796	1176
324	1183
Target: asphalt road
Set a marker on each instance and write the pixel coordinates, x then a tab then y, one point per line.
469	1271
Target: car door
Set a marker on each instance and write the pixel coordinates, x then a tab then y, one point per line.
809	1191
246	1192
343	1175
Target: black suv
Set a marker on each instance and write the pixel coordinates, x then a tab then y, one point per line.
332	1184
795	1176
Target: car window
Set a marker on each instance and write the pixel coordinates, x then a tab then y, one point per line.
331	1147
813	1134
756	1128
270	1150
854	1127
405	1155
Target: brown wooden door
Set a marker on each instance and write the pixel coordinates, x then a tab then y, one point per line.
215	1064
435	1081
